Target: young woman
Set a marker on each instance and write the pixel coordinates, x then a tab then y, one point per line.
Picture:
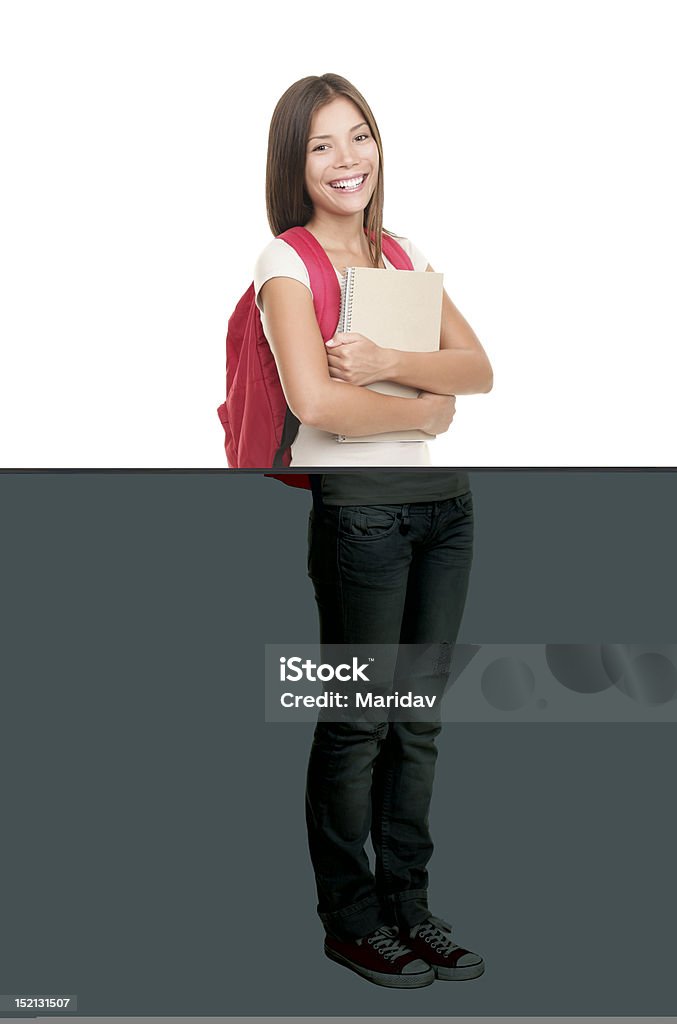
325	174
389	551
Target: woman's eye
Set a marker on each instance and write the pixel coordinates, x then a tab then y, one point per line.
323	145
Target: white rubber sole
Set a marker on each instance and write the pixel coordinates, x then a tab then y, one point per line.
420	980
459	973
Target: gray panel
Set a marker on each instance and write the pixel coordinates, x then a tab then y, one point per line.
154	858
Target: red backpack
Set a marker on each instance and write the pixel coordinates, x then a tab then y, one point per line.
259	425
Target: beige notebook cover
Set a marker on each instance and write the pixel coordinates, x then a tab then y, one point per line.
399	309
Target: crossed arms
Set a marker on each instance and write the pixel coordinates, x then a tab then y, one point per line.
324	385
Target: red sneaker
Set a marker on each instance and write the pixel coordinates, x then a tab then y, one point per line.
382	958
431	940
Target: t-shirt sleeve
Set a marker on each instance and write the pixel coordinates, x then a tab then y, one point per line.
278	260
415	255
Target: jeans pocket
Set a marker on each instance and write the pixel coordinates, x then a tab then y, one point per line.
369	522
464	503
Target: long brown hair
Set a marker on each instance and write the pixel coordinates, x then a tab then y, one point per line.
287	201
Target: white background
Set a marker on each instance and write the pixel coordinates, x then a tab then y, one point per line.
530	153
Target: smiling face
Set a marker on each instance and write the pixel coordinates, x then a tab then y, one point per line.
342	162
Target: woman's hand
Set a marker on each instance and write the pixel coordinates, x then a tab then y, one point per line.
439	413
355	359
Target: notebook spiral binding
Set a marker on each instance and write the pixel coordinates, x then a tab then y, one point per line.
346	318
346	313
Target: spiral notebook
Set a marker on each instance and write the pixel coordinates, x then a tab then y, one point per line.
399	309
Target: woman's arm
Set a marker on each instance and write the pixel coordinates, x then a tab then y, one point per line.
320	401
461	366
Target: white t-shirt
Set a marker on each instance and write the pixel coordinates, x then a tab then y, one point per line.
314	447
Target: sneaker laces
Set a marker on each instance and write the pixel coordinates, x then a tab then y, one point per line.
437	933
385	941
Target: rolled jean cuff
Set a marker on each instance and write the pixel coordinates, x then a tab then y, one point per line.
408	908
356	921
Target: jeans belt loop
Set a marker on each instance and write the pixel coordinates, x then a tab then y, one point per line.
404	516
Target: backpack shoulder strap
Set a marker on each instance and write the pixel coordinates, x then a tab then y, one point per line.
395	253
323	281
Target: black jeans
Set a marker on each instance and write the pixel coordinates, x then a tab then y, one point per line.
388	574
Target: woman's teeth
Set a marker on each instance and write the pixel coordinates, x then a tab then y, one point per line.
349	184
